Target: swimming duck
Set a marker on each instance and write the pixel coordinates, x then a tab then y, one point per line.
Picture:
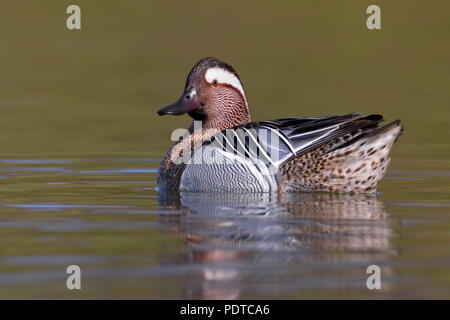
224	151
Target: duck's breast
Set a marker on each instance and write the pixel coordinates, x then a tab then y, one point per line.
211	169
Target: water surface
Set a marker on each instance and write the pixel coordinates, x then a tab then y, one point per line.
106	216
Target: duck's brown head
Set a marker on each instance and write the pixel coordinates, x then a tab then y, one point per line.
213	94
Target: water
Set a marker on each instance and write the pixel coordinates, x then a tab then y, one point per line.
80	143
131	241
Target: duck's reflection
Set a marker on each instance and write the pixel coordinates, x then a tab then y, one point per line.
246	240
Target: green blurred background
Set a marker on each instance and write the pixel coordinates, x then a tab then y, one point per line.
95	91
93	94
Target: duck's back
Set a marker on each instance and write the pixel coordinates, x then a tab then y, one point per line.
337	153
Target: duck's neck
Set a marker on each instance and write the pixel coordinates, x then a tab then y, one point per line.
226	115
177	152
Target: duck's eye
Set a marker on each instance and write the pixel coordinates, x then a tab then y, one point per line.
214	83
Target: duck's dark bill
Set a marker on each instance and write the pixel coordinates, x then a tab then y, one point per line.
187	103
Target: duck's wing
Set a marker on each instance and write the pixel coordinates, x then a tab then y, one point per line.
276	141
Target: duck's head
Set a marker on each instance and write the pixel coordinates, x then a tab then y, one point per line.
213	94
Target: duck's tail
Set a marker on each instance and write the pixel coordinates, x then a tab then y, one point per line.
352	163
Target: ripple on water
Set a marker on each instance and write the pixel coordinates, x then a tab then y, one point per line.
261	243
100	182
68	170
58	207
70	224
35	161
419	204
53	260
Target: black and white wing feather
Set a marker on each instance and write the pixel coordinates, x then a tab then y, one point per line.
275	142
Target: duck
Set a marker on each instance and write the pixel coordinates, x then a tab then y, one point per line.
224	151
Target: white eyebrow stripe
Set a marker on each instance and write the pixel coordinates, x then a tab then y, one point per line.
224	76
